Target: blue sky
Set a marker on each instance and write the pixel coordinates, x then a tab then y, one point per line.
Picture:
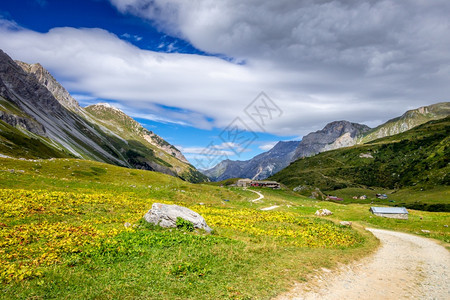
43	15
188	70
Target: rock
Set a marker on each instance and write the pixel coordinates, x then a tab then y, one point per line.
323	212
127	225
300	188
345	223
334	135
445	226
425	231
166	216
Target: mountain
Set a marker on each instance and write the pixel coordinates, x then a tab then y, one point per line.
259	167
33	103
408	120
126	127
334	135
46	79
418	157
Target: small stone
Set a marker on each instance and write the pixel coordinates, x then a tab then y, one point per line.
345	223
425	231
323	212
127	225
445	226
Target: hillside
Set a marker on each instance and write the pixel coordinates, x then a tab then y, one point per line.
33	102
335	135
408	120
416	158
259	167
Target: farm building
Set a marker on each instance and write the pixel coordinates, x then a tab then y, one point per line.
390	212
244	182
334	198
262	183
265	183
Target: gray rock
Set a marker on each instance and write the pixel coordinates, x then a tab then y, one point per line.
334	135
323	212
345	223
166	216
425	231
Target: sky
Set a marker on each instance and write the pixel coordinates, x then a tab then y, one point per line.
230	78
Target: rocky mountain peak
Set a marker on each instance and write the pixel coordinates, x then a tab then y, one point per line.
46	79
334	135
33	101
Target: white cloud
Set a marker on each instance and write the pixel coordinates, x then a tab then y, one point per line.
363	61
206	152
130	37
267	146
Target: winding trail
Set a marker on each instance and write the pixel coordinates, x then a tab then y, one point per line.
404	267
261	196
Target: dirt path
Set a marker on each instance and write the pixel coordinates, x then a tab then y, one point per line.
261	196
270	207
405	267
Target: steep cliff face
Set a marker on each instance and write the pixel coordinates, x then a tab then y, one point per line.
334	135
12	115
61	125
259	167
407	121
33	100
46	79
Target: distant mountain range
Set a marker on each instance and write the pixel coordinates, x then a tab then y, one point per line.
259	167
335	135
417	158
40	119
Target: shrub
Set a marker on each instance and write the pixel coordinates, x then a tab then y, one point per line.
184	224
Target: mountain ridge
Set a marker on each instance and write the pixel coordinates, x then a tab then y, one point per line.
407	121
42	109
417	158
336	135
259	167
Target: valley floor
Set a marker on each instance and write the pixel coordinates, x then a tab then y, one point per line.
405	267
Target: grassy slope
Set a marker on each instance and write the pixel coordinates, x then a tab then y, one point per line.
410	119
17	143
140	150
410	167
241	262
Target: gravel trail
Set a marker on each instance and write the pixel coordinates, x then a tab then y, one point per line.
404	267
261	196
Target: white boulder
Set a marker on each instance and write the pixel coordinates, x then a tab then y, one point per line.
166	215
323	212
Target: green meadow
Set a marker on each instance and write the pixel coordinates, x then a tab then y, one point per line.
63	235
